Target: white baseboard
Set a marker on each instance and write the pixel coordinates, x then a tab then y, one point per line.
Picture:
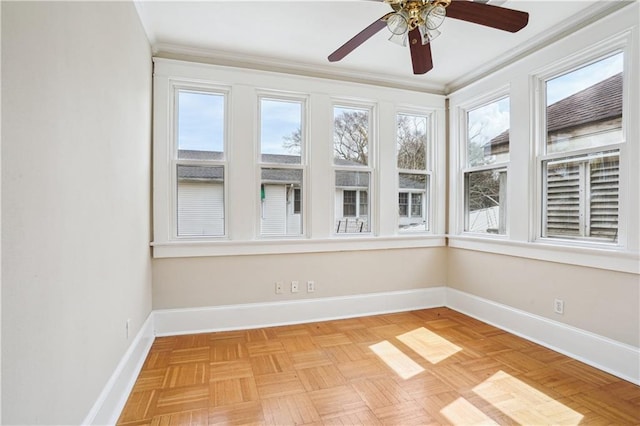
113	397
255	315
617	358
605	354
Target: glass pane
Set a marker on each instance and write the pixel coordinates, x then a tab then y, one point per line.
488	133
485	201
280	203
582	197
281	131
350	136
413	191
403	204
200	125
352	203
200	201
412	142
349	203
584	107
416	205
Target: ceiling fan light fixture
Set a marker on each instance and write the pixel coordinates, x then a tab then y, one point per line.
397	23
399	39
435	16
411	20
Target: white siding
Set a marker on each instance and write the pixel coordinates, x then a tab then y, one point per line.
200	208
274	209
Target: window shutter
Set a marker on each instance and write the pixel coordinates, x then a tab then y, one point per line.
604	183
563	199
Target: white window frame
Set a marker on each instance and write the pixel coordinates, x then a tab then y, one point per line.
465	168
241	174
427	203
175	86
369	168
607	48
303	99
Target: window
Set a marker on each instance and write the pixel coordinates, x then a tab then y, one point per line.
282	166
297	201
351	134
416	205
199	163
581	160
413	175
403	204
240	166
349	203
485	175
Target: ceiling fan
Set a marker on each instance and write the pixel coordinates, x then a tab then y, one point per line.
416	22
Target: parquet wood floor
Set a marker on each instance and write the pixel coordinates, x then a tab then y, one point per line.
426	367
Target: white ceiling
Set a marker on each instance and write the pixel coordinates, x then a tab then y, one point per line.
297	36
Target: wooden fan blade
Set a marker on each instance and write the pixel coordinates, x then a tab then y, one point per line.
358	39
420	53
488	15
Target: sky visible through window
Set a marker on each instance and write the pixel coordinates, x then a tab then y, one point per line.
201	115
279	121
201	121
577	80
488	121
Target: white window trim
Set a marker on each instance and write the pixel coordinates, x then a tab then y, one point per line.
429	203
617	43
463	168
520	75
167	175
304	159
370	168
243	86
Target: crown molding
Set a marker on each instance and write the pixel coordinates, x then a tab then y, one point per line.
231	59
569	26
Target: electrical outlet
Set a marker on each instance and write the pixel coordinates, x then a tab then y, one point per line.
311	286
279	285
558	306
294	286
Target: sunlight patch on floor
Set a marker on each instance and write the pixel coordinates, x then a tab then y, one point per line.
429	345
523	403
404	366
461	413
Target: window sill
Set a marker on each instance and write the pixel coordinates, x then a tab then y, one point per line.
259	247
614	259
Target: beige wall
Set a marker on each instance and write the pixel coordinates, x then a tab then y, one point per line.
596	300
76	113
199	281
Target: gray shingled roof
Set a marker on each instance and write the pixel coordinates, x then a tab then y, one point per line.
201	173
281	175
407	181
189	154
344	178
605	99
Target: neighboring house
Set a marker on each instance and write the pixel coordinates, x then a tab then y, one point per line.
281	196
200	195
351	199
572	126
412	200
569	124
